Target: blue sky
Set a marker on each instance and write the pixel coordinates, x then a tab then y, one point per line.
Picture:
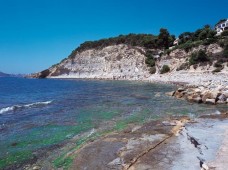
35	34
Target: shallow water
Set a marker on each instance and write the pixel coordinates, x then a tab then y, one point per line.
37	114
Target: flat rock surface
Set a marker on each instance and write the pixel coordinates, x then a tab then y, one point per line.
220	162
158	145
120	151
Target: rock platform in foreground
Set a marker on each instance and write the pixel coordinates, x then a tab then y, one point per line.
172	144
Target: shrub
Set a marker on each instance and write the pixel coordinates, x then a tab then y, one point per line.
225	52
223	42
150	61
168	51
209	41
165	40
200	34
183	66
218	64
198	57
152	70
165	69
224	33
187	46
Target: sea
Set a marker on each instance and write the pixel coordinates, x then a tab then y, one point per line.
37	114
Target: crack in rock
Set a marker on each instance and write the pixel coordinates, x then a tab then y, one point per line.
145	152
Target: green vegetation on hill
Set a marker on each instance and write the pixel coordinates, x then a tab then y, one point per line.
203	36
163	40
199	35
148	41
142	40
165	69
198	57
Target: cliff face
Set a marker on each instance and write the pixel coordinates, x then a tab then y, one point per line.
123	62
112	62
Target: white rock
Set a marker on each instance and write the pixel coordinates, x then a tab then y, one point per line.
210	101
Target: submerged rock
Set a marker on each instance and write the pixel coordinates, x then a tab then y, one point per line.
170	93
36	167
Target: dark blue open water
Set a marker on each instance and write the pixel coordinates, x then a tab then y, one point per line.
38	113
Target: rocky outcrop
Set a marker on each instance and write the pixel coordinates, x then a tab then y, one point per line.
203	94
112	62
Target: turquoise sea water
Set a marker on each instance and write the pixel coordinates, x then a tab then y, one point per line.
36	114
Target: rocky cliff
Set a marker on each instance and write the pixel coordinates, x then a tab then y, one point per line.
112	62
127	62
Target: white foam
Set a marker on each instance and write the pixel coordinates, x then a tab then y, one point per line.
7	109
37	103
15	107
91	132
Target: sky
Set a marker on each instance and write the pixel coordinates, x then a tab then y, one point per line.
35	34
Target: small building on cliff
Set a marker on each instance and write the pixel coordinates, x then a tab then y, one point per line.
221	26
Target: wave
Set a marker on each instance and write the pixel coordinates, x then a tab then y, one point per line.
17	107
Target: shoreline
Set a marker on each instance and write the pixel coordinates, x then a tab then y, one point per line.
152	144
194	78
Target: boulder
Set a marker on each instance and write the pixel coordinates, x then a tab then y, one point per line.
194	98
190	94
215	94
201	88
178	94
210	95
180	89
226	88
36	168
222	97
206	96
210	101
225	93
197	99
203	92
220	87
197	90
170	93
190	98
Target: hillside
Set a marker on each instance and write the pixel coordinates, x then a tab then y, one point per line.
143	56
112	62
4	74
